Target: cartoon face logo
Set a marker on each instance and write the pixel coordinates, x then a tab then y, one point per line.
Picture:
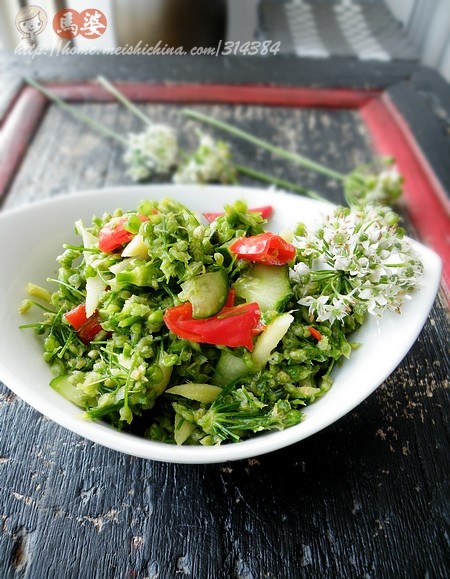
31	21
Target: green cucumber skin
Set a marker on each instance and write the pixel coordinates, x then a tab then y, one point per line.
64	386
268	285
207	293
229	368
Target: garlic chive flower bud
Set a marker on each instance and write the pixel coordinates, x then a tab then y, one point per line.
384	188
210	162
152	152
357	261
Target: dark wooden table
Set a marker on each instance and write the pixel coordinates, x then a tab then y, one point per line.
368	497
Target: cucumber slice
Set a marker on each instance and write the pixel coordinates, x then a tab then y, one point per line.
270	338
65	386
224	249
205	393
267	285
183	429
228	368
136	248
207	293
166	373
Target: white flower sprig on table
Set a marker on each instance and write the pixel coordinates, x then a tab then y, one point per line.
357	260
361	187
211	161
151	152
155	151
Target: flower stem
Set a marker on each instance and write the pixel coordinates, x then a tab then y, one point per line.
75	113
123	99
295	157
280	182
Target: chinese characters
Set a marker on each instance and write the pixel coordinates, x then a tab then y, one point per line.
69	23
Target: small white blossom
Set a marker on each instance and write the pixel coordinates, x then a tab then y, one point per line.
324	309
342	263
211	162
152	152
299	270
358	257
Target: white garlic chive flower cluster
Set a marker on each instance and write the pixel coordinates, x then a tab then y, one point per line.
384	188
210	162
156	152
152	152
358	261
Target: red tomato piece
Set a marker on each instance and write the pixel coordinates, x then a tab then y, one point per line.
233	326
77	316
267	248
231	297
113	235
86	328
265	211
315	333
90	329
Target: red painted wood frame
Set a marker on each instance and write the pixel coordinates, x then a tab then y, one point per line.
425	198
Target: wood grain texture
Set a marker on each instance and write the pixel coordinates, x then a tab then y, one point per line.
218	93
289	70
427	200
368	497
16	131
11	85
68	156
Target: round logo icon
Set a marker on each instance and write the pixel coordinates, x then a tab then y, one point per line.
69	23
94	23
66	23
31	21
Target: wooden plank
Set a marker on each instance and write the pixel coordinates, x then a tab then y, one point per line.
9	92
429	130
219	93
427	202
16	133
287	71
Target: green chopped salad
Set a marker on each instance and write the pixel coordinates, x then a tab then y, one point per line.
194	330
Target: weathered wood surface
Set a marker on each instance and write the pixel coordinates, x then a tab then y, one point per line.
366	497
343	72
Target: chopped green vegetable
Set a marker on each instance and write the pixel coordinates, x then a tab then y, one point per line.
229	368
37	291
253	343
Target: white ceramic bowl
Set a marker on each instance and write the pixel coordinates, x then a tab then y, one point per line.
32	237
